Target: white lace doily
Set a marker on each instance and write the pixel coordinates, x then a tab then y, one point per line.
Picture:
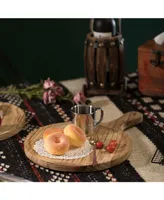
80	152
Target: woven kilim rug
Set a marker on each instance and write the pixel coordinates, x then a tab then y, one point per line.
146	137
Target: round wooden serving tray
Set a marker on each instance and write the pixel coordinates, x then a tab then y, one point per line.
13	120
105	131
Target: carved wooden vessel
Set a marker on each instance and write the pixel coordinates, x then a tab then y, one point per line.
103	62
151	69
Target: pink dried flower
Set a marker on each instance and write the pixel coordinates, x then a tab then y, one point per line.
59	91
79	98
48	84
49	97
45	97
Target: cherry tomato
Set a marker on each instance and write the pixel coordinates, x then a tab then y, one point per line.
99	145
110	149
113	143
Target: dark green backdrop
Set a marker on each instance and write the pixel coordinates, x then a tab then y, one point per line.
39	48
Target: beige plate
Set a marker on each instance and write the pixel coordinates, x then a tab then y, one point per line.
13	121
105	132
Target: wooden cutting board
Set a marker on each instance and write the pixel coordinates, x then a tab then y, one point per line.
14	119
105	132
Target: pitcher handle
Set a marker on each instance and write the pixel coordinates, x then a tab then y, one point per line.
101	115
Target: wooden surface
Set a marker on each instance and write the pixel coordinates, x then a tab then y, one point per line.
149	46
105	132
91	92
114	67
103	63
151	78
13	121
